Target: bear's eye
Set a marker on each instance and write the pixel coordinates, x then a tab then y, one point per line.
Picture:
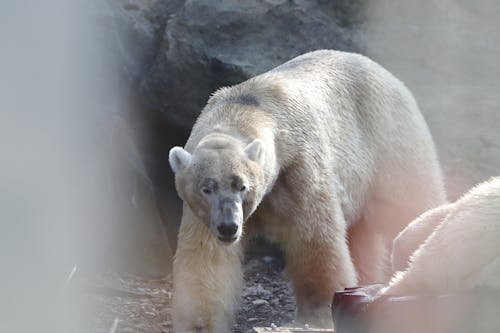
206	190
243	188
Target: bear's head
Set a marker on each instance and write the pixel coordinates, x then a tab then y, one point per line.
222	181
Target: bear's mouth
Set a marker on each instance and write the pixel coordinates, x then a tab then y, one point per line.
227	240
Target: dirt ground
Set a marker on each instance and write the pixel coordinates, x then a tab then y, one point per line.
119	304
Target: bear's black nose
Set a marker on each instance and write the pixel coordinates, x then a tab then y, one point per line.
227	229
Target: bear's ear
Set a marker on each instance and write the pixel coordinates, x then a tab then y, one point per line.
255	151
179	159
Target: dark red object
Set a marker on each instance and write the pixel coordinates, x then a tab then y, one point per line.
361	310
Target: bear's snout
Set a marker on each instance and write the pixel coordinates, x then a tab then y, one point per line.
228	220
227	231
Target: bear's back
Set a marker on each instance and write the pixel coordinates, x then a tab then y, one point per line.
342	110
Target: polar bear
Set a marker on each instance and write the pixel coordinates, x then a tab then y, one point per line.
326	155
461	247
408	240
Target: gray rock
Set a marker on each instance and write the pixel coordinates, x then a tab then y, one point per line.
257	291
133	31
208	44
260	302
267	259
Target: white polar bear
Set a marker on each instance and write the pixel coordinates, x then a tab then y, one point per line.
461	250
326	155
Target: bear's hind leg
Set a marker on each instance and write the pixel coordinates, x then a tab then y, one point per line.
369	253
318	267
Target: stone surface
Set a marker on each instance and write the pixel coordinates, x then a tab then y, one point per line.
209	44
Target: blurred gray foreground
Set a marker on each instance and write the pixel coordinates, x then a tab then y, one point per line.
93	94
74	196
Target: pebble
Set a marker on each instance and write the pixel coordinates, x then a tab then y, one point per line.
259	302
257	291
267	259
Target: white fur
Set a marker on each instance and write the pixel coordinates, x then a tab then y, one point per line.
254	151
342	145
462	253
207	280
415	234
178	159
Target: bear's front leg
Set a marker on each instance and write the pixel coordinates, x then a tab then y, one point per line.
318	263
207	279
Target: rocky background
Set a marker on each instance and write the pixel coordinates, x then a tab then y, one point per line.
169	56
